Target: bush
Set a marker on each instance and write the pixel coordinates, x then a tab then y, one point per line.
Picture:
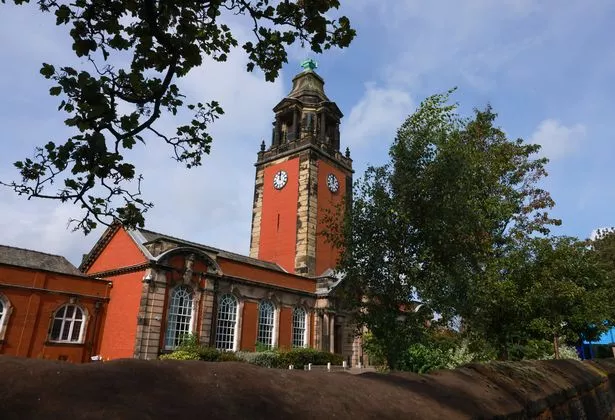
420	358
460	355
208	354
299	358
228	356
180	355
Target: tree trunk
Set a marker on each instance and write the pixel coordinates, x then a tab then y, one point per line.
556	345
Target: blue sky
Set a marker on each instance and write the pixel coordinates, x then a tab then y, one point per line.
547	68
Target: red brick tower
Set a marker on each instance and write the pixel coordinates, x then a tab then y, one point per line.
299	178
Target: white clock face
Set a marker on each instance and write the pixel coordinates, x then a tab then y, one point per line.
279	180
332	183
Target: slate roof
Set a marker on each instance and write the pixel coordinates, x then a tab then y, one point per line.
150	236
35	260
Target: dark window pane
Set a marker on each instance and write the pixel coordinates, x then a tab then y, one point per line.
55	329
76	331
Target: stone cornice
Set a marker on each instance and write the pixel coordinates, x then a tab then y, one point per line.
271	155
122	270
261	284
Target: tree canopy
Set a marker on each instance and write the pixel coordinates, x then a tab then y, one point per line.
112	104
457	222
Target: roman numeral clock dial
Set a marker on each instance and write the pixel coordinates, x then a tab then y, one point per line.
332	183
280	179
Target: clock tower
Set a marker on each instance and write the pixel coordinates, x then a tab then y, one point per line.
300	178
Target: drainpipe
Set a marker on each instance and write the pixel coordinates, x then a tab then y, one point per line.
95	331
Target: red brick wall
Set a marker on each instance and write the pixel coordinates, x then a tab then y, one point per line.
278	235
34	305
121	251
120	329
248	326
326	254
285	328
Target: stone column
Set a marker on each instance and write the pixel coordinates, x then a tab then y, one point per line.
317	330
150	320
276	131
332	333
207	332
326	324
323	131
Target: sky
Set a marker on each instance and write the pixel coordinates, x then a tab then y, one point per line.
546	67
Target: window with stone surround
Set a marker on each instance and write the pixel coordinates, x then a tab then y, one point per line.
226	324
299	327
68	325
179	316
266	322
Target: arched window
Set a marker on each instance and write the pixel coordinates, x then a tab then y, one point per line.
266	315
179	316
68	325
226	325
5	312
299	327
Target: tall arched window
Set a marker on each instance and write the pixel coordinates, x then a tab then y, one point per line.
226	325
5	311
299	327
68	325
179	316
266	316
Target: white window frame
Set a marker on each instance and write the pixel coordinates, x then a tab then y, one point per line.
235	334
190	290
71	320
274	318
305	327
7	308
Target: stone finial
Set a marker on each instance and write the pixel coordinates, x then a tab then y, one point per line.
347	153
263	146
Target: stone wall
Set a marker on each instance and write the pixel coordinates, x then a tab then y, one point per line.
561	389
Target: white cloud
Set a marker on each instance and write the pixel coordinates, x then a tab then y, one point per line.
594	233
557	140
210	204
377	115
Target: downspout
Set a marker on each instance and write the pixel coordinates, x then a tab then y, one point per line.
95	328
147	279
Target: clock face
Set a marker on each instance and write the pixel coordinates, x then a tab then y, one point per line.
279	180
332	183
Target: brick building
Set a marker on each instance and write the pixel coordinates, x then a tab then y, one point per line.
137	293
48	308
279	296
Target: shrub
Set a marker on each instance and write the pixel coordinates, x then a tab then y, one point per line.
208	354
180	355
565	352
420	358
299	358
268	359
228	356
460	355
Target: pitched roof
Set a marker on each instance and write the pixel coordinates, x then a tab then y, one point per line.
150	236
35	260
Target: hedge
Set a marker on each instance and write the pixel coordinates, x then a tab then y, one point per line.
299	358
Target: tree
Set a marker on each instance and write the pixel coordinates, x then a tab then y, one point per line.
604	246
545	288
570	292
434	223
468	193
112	104
374	288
